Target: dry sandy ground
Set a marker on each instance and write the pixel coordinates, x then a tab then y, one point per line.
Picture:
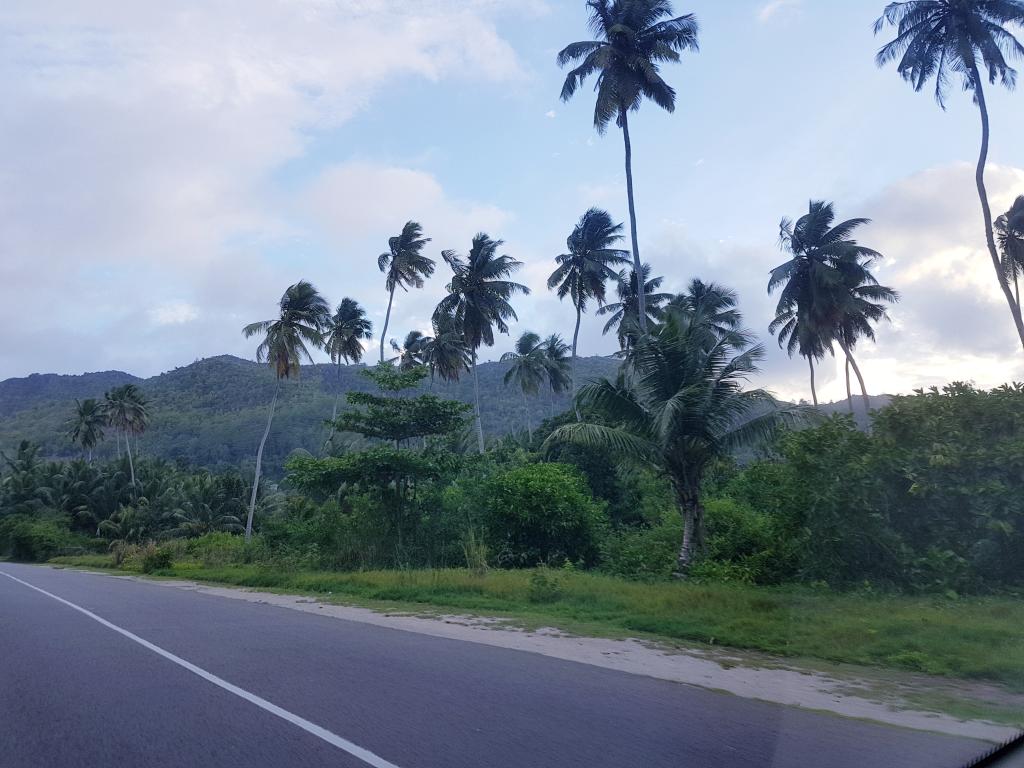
882	696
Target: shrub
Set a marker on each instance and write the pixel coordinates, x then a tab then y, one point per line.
541	514
37	539
544	586
217	549
154	558
648	552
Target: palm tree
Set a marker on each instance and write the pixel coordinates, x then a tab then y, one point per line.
1010	236
943	38
528	370
863	306
303	319
583	271
479	299
87	424
717	304
677	406
824	265
634	37
126	411
445	353
625	312
343	342
556	362
405	265
411	352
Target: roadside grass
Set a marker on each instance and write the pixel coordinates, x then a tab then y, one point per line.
973	638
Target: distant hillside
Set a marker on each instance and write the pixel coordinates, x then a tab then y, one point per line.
212	413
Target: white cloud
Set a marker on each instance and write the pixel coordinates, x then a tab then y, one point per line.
140	141
773	8
174	313
550	114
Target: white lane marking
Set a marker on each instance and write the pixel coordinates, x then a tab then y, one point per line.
322	733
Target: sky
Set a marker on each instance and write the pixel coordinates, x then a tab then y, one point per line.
167	169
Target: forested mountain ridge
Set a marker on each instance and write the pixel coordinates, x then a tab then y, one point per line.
212	412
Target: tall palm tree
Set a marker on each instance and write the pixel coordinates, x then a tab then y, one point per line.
404	264
445	353
634	38
716	304
824	264
677	405
479	298
304	317
343	342
625	312
528	370
583	272
126	411
1010	237
556	362
947	38
87	424
862	306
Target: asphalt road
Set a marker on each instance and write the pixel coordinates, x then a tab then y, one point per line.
78	692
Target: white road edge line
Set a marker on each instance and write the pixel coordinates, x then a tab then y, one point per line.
322	733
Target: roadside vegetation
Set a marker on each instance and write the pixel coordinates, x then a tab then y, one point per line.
671	500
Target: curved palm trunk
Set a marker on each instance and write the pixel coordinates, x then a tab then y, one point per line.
986	210
476	396
526	417
575	340
259	464
638	271
814	389
131	464
849	392
334	414
387	319
860	378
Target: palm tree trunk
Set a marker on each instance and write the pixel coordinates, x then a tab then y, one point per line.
849	392
856	369
117	435
814	391
641	300
1016	290
986	210
575	340
387	319
259	464
526	414
476	395
131	464
693	531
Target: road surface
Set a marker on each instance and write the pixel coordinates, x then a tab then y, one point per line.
101	671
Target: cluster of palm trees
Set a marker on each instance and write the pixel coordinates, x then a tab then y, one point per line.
123	409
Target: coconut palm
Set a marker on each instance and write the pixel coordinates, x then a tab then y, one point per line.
677	406
479	299
824	265
528	371
941	39
863	306
634	38
625	312
583	272
445	353
411	352
303	319
556	362
343	342
1010	237
403	264
717	304
126	411
87	424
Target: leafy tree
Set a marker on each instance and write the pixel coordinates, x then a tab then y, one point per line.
87	424
479	299
583	272
825	264
404	264
941	39
528	370
400	419
678	405
1010	237
303	319
625	312
126	411
634	38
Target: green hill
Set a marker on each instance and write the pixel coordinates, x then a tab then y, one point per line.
212	413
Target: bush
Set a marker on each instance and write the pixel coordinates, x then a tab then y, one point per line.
37	539
648	552
154	558
217	549
541	514
544	586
